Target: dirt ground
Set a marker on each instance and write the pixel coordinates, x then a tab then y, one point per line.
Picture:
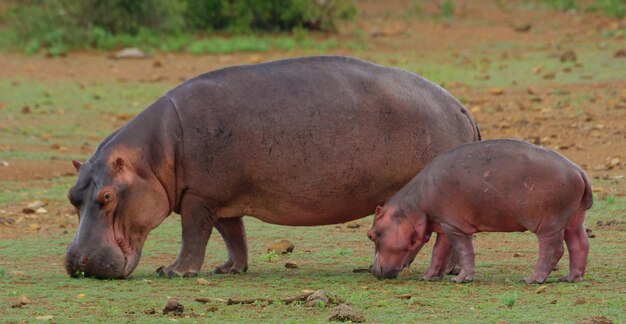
592	133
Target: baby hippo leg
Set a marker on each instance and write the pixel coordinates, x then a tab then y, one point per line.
578	248
441	252
462	244
550	252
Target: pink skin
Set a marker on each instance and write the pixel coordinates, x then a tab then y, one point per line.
489	186
397	243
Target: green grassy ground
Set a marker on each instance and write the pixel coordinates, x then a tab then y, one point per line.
326	256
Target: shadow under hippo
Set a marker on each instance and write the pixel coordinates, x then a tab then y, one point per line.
301	142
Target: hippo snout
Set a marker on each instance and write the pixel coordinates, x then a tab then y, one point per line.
101	263
381	273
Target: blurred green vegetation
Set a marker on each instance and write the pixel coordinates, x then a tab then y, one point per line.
56	26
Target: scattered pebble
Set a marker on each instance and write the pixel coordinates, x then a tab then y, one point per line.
353	225
568	56
282	247
150	311
620	54
321	296
523	28
517	255
44	317
345	313
129	53
203	282
20	302
404	296
291	265
595	320
496	91
580	301
541	290
173	307
590	233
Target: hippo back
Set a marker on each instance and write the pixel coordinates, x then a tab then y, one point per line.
311	141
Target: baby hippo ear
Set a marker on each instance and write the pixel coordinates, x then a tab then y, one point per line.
76	165
378	213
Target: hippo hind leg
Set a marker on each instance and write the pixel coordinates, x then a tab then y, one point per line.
464	248
197	222
234	235
550	252
578	249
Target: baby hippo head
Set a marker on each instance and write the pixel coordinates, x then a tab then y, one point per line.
398	237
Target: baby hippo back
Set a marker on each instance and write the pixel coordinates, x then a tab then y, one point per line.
502	185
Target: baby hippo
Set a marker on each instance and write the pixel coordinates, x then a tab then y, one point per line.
500	185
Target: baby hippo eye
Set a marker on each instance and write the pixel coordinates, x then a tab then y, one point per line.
107	196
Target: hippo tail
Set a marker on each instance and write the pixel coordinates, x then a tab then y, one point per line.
587	200
474	125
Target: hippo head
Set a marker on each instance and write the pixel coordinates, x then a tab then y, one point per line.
398	237
118	201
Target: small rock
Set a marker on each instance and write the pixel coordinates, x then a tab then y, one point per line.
44	317
404	296
517	255
20	302
353	225
549	75
322	296
41	210
150	311
129	53
345	313
589	233
25	110
157	64
523	28
496	91
203	282
541	290
282	247
173	307
568	56
291	265
620	54
211	309
595	320
553	302
580	301
33	207
4	163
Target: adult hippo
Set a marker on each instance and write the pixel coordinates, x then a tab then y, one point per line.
305	141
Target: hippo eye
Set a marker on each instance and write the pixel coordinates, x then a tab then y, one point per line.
107	196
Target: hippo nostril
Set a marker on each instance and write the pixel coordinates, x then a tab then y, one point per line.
84	261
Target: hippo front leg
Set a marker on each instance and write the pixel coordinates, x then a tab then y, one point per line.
197	220
462	244
440	256
234	235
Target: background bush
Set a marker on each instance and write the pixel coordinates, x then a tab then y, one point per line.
57	25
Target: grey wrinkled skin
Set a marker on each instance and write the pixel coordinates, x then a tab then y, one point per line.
305	141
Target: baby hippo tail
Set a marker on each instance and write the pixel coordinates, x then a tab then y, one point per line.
587	196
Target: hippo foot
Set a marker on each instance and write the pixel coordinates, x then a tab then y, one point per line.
535	279
454	271
231	268
571	279
431	278
463	278
166	272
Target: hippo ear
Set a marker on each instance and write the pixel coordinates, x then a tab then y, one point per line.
76	165
379	212
118	165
